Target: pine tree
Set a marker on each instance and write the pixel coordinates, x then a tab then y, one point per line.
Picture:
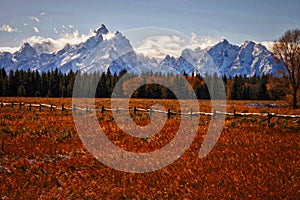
70	83
4	82
11	84
44	84
36	84
21	91
2	77
54	83
263	92
236	92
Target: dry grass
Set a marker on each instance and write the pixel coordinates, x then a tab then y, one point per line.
42	157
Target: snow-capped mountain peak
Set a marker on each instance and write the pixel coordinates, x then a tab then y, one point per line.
106	50
248	59
101	30
26	48
26	52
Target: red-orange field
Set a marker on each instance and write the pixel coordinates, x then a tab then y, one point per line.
42	156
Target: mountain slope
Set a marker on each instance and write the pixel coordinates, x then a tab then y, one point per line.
106	50
249	59
95	54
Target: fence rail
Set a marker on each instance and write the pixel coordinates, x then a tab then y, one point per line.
169	113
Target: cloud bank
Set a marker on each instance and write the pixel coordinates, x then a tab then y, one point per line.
8	28
159	46
50	45
34	18
36	30
9	49
268	45
153	47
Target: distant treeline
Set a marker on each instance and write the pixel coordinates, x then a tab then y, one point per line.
56	84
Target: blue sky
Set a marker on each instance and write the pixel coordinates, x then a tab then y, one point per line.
237	21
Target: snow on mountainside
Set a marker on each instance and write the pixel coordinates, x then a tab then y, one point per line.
254	59
106	50
98	53
223	55
249	59
181	65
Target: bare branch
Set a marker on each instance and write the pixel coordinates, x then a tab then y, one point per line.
287	50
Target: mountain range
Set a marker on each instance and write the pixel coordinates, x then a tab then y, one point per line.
100	53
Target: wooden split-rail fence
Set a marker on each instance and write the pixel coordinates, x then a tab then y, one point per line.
169	113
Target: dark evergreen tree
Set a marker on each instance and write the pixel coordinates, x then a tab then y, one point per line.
55	84
44	84
237	88
263	92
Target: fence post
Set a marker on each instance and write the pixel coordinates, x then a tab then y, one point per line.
117	109
20	106
102	109
74	109
1	104
86	110
214	114
150	113
12	104
40	107
269	119
62	108
191	113
234	113
51	107
2	145
29	106
134	110
169	114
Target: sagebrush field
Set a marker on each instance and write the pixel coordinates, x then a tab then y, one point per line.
42	157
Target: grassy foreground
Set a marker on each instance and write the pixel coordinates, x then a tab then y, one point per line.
42	157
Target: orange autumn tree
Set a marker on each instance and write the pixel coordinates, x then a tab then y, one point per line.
287	50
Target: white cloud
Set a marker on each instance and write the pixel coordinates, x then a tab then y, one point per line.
9	49
36	30
108	36
159	46
43	45
65	29
25	24
202	41
50	45
55	30
34	18
8	28
268	45
42	13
